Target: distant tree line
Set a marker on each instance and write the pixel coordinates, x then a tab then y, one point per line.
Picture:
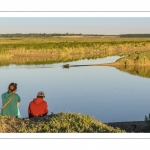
48	35
71	34
135	35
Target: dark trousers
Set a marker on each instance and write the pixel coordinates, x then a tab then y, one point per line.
31	116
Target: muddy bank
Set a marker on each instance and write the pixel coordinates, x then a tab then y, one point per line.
133	126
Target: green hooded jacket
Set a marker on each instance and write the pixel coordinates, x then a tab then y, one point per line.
11	109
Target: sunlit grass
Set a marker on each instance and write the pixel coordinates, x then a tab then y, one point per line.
56	123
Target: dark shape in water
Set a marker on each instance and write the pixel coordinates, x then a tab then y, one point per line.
67	65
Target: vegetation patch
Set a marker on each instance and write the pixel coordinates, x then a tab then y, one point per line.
137	59
56	123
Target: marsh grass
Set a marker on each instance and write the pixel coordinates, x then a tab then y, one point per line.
67	45
63	49
56	123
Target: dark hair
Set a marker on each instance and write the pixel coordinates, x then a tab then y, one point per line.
12	87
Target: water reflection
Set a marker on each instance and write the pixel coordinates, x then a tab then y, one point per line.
143	71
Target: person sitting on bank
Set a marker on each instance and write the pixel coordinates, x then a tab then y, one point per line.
10	101
38	107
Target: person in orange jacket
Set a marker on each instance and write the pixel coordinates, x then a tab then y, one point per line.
38	107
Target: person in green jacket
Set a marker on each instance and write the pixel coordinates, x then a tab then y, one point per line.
11	109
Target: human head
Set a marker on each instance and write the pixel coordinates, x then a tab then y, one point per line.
12	87
40	94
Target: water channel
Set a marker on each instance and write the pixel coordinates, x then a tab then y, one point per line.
106	93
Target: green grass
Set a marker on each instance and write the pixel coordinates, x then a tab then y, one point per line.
56	123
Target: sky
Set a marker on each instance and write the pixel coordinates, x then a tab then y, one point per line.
84	25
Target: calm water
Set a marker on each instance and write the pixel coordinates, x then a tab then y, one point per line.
106	93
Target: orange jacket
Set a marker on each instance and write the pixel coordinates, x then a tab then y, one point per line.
38	107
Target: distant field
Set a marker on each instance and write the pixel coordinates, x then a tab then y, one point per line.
34	40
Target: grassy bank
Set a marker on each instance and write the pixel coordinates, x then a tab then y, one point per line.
136	63
56	123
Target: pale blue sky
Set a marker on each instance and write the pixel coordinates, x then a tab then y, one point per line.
84	25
